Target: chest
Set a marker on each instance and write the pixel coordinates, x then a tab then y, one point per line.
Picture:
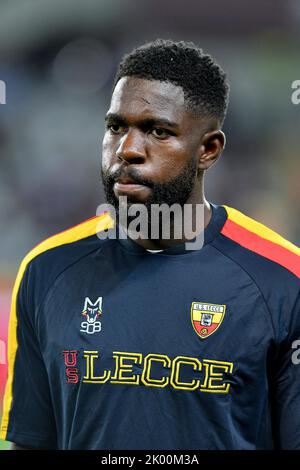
189	324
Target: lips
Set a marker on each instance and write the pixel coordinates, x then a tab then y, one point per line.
126	180
120	186
127	185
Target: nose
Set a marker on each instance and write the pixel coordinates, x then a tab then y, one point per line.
132	147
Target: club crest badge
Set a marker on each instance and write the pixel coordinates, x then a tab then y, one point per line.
92	312
206	318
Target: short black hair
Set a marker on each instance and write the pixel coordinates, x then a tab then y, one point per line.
182	63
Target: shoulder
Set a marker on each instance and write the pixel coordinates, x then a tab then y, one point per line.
271	261
50	257
247	240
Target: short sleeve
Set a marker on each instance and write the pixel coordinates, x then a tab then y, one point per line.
28	418
286	391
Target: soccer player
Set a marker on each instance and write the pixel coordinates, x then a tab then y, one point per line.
141	343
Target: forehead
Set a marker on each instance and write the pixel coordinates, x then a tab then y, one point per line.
135	97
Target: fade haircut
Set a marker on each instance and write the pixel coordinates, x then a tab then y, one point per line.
182	63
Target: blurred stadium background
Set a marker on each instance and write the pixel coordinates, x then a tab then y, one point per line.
58	59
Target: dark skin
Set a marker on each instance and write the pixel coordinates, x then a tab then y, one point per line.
150	128
138	134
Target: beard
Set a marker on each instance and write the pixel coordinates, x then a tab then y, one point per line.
174	191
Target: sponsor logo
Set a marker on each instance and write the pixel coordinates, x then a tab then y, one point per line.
91	311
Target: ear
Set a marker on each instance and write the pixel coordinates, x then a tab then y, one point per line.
211	147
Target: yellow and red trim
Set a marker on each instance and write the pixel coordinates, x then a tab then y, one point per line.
257	237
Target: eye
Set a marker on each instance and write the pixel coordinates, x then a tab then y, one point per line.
115	128
160	133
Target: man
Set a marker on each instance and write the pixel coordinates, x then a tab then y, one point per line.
112	346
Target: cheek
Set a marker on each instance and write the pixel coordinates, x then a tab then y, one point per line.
171	150
168	160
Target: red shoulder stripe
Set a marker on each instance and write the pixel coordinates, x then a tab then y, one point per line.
263	247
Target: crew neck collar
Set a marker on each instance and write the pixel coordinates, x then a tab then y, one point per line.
218	218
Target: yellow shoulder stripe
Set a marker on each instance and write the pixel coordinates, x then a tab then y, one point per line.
259	229
73	234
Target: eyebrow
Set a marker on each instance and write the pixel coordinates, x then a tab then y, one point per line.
149	122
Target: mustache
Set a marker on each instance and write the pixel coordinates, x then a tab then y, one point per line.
132	173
